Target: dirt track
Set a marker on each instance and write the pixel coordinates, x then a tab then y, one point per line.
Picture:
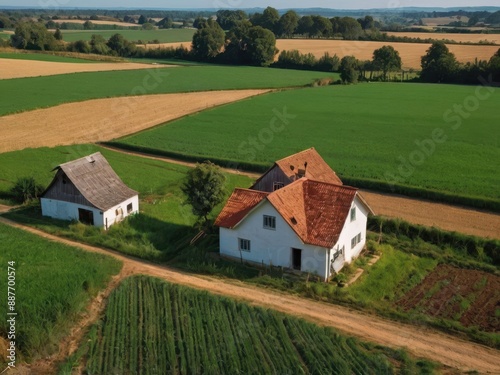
105	119
422	342
17	68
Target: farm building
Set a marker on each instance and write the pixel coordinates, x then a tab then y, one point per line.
90	191
308	222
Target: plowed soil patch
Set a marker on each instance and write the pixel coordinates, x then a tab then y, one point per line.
15	68
105	119
472	297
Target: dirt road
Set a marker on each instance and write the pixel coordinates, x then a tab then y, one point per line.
422	342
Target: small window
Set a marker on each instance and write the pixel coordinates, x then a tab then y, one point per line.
278	185
353	213
269	222
129	208
338	253
119	211
244	244
355	240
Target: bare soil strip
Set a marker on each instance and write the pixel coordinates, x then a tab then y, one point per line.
105	119
420	341
444	216
17	68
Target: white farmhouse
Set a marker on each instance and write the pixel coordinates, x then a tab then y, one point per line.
300	222
90	191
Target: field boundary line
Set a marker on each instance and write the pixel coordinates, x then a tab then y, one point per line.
420	341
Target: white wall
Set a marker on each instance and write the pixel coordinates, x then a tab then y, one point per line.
350	230
271	246
69	211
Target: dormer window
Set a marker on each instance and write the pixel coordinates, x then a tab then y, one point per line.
278	185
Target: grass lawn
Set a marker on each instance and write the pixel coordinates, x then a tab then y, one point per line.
42	57
31	93
163	35
161	231
367	132
54	282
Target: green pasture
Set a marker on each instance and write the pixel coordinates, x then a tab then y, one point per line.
162	35
38	92
42	57
180	330
393	134
162	229
53	284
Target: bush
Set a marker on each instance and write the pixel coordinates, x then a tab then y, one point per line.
26	189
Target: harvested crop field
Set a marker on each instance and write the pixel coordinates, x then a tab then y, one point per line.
470	296
464	38
15	68
439	21
410	53
100	22
105	119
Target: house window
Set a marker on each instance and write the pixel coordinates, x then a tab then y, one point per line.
338	253
244	244
129	208
269	222
355	240
278	185
119	211
353	213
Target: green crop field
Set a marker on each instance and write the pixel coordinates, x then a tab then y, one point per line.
178	330
49	91
159	232
54	282
394	134
42	57
4	35
163	35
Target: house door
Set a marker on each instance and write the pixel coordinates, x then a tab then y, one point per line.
86	216
296	259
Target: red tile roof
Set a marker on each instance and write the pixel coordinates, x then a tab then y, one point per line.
240	203
315	210
310	162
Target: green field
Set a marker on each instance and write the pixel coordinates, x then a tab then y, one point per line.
178	330
370	132
49	91
163	35
4	35
161	231
54	282
42	57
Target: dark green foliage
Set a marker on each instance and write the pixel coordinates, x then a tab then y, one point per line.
227	19
208	40
349	72
268	19
166	23
439	64
184	331
35	36
204	188
142	19
260	46
58	34
347	27
295	60
121	46
386	59
26	189
288	24
80	46
99	45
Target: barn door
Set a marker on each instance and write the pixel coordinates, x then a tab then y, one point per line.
296	259
85	216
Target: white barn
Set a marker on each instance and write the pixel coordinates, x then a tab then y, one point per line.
307	225
89	190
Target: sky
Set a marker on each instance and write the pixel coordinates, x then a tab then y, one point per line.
242	4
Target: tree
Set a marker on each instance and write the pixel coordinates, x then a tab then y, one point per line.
99	45
142	19
386	59
328	63
260	46
322	27
438	64
227	19
166	23
204	188
26	189
147	26
494	66
88	25
81	46
198	21
305	25
367	23
121	46
349	69
288	24
348	27
268	19
58	35
35	36
208	40
129	19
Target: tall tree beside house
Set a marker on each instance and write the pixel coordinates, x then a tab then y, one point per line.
204	188
386	59
208	40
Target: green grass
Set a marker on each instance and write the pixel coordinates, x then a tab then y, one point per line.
160	232
362	131
4	35
164	35
42	57
54	282
49	91
185	331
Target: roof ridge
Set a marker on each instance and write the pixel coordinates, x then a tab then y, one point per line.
76	160
329	183
297	153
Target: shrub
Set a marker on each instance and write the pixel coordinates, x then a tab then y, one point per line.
26	189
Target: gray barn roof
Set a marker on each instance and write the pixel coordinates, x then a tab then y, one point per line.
97	181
